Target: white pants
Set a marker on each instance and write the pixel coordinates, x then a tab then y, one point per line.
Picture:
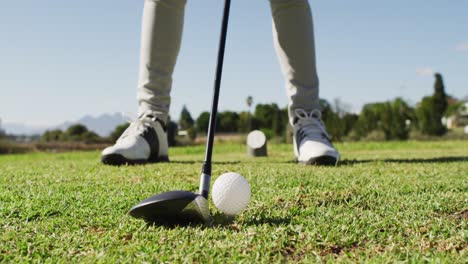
161	36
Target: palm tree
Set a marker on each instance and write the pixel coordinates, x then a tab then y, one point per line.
249	102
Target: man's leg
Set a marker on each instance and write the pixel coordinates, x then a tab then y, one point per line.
160	44
145	140
294	43
293	37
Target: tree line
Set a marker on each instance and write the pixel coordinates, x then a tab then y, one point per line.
390	120
77	133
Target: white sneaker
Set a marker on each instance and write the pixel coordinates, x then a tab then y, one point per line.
144	141
312	144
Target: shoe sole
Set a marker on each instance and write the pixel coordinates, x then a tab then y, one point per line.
119	160
321	161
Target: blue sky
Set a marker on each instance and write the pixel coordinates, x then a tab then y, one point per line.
61	60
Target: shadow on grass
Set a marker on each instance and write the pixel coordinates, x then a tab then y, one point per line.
223	220
220	220
429	160
348	162
273	221
198	161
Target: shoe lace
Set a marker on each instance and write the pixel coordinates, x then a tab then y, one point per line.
137	125
310	125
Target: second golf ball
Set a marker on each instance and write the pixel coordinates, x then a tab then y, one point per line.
231	193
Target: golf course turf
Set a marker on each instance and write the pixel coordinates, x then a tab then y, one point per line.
386	202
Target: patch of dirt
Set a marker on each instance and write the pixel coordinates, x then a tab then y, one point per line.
96	230
463	215
334	249
336	198
445	245
127	237
292	253
458	216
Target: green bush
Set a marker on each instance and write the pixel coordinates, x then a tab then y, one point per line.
270	117
52	135
429	122
227	121
431	109
244	122
192	133
186	120
76	130
75	133
90	137
269	133
390	118
203	121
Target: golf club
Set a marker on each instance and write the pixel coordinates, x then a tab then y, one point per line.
183	207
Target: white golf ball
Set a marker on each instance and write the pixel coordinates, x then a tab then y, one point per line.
231	193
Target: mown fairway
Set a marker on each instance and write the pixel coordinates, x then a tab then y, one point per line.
386	202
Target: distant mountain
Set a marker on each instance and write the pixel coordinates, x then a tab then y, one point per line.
22	129
103	125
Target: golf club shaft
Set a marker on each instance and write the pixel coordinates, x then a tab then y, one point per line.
206	170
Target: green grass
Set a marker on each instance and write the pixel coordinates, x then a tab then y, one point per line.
387	202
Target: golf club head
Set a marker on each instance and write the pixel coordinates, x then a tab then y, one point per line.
173	208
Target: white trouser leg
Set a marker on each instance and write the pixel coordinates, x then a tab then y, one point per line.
160	44
294	43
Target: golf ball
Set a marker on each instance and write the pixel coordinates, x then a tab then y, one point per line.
231	193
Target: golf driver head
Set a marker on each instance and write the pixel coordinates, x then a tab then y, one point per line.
173	208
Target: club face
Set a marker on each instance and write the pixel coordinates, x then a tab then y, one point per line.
173	208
